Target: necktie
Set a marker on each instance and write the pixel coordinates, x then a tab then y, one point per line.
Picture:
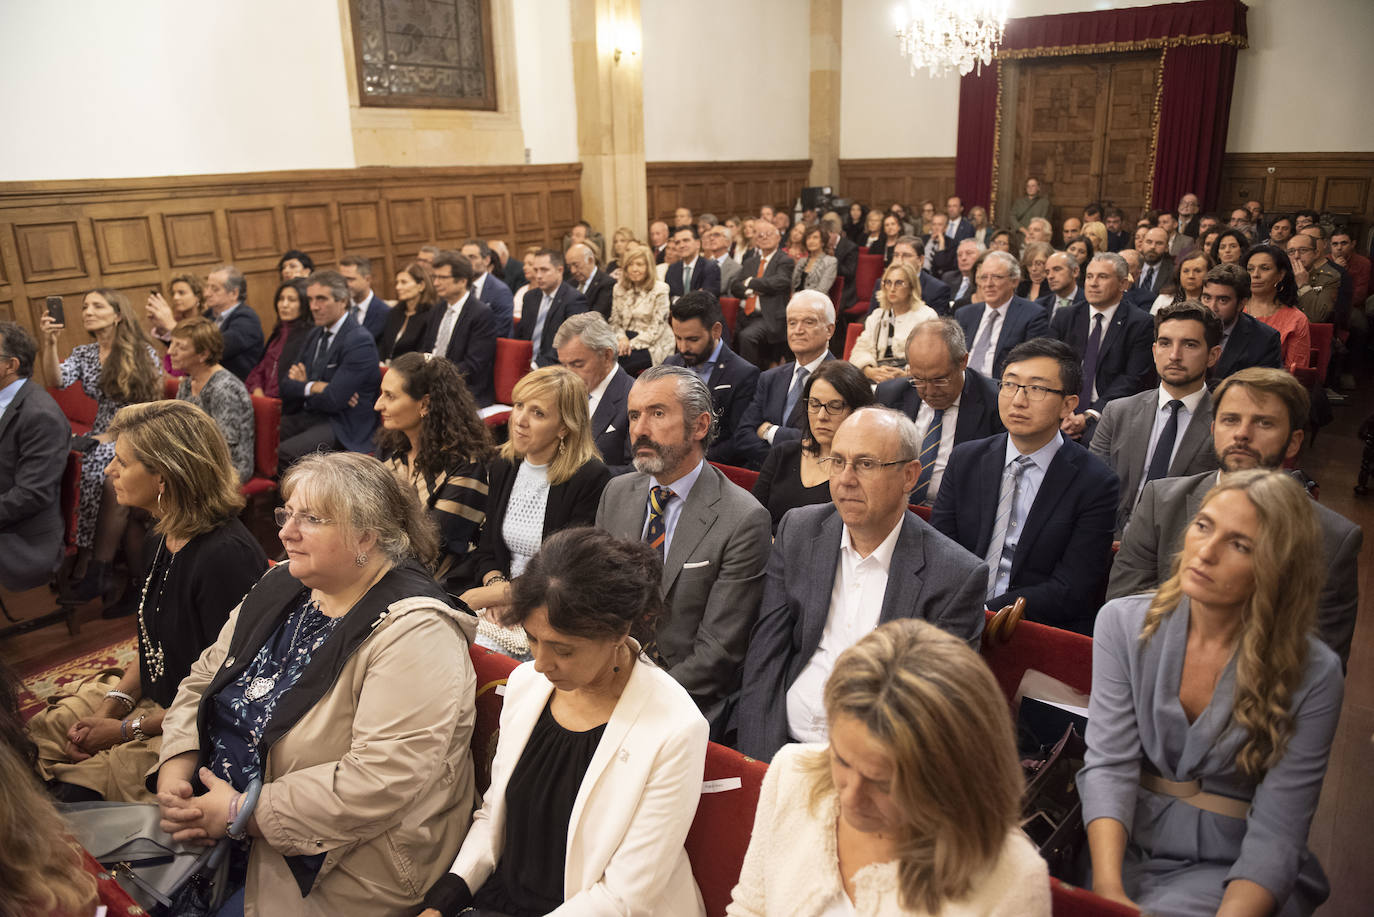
793	393
657	532
1011	481
321	356
545	305
751	302
930	448
1085	397
357	312
445	332
1164	448
686	277
982	356
1147	278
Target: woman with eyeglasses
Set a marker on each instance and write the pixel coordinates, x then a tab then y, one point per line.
794	472
343	682
880	351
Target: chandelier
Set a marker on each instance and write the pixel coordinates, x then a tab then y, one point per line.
941	35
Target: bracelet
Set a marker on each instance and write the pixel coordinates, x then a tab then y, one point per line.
126	699
232	817
237	829
498	578
136	727
123	730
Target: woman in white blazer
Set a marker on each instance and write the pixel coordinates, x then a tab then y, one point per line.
599	764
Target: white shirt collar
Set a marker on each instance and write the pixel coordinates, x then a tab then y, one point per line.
458	306
1042	456
334	328
881	555
601	386
1190	402
813	365
1107	315
683	485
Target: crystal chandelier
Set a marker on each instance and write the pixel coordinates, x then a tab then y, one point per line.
941	35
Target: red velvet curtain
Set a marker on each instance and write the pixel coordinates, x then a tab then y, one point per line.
1194	112
977	136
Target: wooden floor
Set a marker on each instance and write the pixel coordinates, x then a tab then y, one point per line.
1347	805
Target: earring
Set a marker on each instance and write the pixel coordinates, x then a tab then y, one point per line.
562	445
360	560
159	502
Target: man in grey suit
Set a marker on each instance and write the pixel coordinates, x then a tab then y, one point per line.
1259	416
716	243
712	535
840	569
1164	432
587	346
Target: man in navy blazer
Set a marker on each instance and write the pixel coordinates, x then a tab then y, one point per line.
1123	364
1245	340
595	285
959	227
768	420
703	273
328	396
697	328
461	328
367	308
547	305
587	345
889	563
1061	275
999	319
489	288
240	326
1038	507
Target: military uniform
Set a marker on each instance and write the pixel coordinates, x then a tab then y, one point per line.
1317	298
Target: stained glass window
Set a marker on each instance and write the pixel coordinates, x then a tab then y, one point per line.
424	53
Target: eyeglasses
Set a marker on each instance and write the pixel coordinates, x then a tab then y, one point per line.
984	278
893	284
808	324
863	467
304	520
1033	392
941	382
833	408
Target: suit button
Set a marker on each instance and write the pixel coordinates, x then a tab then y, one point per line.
228	662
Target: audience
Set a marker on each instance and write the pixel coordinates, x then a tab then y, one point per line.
716	243
961	280
998	320
195	351
1317	285
463	329
658	240
816	269
547	304
639	313
846	255
795	247
763	287
366	307
296	265
878	352
871	239
1229	247
1245	341
1274	301
1033	206
489	288
1061	276
1081	250
1198	790
588	346
599	763
407	321
225	291
284	343
691	271
730	379
594	284
187	300
1343	254
1190	269
1034	503
1034	257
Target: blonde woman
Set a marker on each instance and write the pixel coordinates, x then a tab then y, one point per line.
621	239
41	870
1215	683
639	313
888	818
880	350
1096	233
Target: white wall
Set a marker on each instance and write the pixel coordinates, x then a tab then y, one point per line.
758	56
94	89
543	63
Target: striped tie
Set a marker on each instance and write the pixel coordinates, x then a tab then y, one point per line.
1011	480
930	448
657	532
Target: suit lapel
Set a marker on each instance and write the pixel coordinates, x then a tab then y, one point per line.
698	515
15	406
1114	334
1196	437
1058	479
904	581
824	557
991	471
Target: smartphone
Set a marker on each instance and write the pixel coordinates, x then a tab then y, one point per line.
55	310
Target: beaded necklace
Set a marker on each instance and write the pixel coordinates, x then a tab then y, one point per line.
151	649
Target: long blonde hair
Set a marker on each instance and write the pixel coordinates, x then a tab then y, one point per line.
129	374
1278	617
40	867
935	705
570	399
634	252
913	277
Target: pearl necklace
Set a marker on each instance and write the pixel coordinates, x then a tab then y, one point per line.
152	650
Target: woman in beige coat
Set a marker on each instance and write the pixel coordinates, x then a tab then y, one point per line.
343	681
639	313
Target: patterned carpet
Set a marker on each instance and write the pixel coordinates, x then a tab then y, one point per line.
65	676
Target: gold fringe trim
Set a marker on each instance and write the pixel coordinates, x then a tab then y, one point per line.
1144	44
1154	131
996	150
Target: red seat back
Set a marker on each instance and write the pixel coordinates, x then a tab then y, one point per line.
869	269
1321	335
729	309
851	337
266	435
1059	653
922	511
1069	901
742	477
512	362
170	384
78	407
837	293
492	669
724	821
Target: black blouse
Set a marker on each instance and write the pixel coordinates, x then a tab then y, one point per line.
396	340
779	486
528	880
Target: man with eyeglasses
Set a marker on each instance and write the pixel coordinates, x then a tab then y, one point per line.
464	330
950	402
1037	506
998	319
840	569
1317	285
775	413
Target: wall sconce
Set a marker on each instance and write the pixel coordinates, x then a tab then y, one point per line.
627	40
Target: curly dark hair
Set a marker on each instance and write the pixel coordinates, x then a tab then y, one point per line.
451	431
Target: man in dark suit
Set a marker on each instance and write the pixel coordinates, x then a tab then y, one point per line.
1112	341
950	403
595	285
462	329
763	286
1117	237
367	308
547	305
1037	506
846	258
959	227
1000	319
587	346
731	380
328	397
1245	340
775	413
658	240
961	281
34	440
1061	274
712	536
489	288
225	290
934	291
840	569
1158	268
940	249
1165	431
1259	417
701	273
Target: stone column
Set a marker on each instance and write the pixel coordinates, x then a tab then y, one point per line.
608	79
825	92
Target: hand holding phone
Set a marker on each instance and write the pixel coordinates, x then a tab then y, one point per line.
55	309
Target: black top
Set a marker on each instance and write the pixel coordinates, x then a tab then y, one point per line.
528	880
394	341
188	598
779	486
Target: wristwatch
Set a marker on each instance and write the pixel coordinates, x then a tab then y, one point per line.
136	727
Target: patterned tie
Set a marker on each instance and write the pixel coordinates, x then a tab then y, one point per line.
793	393
1085	396
1164	448
1147	279
686	277
321	356
751	302
1011	481
930	448
537	335
446	325
657	532
981	358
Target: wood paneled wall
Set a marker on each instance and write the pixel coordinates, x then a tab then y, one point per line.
1339	183
69	237
723	188
879	182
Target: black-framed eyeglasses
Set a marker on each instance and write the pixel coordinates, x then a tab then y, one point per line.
835	465
833	408
1033	392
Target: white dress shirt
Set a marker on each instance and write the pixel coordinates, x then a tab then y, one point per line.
1000	312
1031	479
681	489
448	323
924	415
1162	412
810	368
595	398
1107	315
477	283
588	282
856	601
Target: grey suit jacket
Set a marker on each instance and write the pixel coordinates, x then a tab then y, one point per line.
729	270
34	440
1156	534
712	577
1122	441
931	577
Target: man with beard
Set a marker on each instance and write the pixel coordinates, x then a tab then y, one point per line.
1164	432
713	536
731	379
1258	420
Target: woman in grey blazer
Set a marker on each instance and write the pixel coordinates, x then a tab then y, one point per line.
817	270
1212	714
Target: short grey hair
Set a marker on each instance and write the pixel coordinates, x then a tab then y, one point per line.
978	246
709	219
234	281
331	280
816	300
1073	262
692	394
1005	258
595	332
946	328
1117	262
1049	227
908	435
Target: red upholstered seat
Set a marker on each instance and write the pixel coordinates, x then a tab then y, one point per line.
1060	654
851	337
170	384
78	407
512	362
493	669
742	477
1070	901
729	309
266	438
1321	336
922	511
725	819
866	273
837	293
